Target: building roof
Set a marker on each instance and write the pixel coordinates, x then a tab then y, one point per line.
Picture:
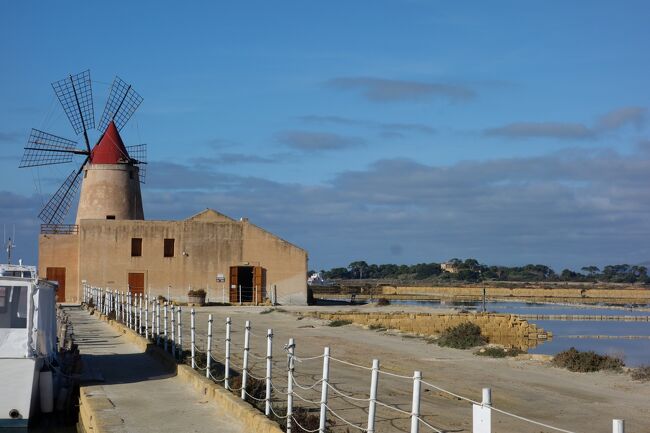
209	215
110	149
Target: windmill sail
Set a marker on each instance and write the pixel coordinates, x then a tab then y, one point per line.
122	102
76	96
138	155
56	209
47	149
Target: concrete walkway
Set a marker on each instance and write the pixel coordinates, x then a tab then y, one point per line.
145	396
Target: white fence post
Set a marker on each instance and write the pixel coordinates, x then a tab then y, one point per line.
372	406
269	359
192	340
415	404
165	325
226	383
136	313
153	318
173	340
208	349
324	390
179	324
291	349
157	322
618	426
244	373
146	316
140	313
122	315
482	414
116	302
128	309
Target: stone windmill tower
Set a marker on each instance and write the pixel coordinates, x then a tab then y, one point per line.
110	187
112	172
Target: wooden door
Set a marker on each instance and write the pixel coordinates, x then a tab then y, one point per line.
234	271
58	275
259	283
136	282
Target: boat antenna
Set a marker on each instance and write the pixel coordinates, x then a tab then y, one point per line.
10	246
10	243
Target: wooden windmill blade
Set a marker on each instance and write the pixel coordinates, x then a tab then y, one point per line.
76	97
56	209
75	94
122	102
43	148
138	155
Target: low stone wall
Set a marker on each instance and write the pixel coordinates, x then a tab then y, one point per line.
534	294
505	329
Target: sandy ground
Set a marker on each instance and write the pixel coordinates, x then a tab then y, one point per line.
581	402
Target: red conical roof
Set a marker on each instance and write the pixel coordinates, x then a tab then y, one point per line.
110	149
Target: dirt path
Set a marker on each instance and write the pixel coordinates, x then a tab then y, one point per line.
573	401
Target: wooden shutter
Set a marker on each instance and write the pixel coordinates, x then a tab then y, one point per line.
136	282
233	284
58	275
259	282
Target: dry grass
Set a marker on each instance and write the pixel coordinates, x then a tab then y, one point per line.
575	360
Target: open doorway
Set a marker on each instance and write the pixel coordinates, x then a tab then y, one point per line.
247	284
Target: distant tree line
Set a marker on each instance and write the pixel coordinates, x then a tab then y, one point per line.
470	270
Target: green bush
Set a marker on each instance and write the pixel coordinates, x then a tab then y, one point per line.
337	323
575	360
499	352
641	373
382	302
464	336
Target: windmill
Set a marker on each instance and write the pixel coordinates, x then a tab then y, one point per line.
75	95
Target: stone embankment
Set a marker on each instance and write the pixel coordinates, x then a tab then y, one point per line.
584	317
621	295
505	329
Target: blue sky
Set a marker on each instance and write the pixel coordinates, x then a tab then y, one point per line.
390	131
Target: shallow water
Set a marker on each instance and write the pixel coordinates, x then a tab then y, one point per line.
635	352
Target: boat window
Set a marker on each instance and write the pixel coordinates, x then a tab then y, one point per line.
13	306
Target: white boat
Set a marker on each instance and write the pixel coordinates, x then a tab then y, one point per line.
27	342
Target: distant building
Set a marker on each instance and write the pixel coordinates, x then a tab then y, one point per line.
450	267
316	279
112	246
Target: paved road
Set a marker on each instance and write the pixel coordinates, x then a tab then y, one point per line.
146	396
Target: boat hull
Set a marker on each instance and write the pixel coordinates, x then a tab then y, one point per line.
19	385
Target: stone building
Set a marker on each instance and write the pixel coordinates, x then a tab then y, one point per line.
112	245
